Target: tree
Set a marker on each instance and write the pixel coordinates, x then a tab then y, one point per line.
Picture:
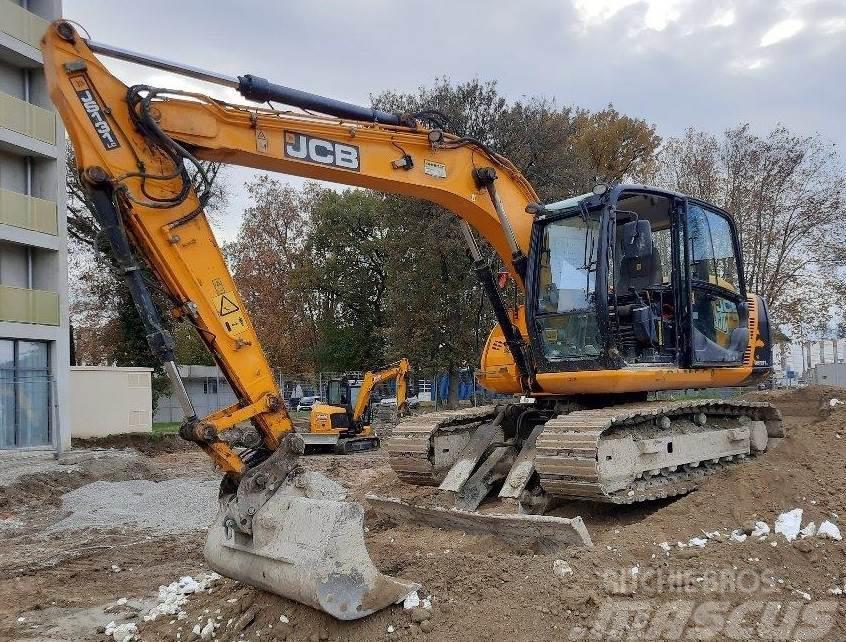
786	193
348	273
267	263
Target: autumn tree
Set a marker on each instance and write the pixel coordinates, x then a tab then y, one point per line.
786	192
266	260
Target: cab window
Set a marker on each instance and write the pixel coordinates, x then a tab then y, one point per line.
566	312
712	258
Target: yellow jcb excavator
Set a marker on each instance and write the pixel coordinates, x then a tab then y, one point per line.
348	427
628	290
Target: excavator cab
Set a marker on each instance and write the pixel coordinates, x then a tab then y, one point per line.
636	276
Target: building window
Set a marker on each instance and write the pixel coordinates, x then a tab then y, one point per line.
25	394
210	387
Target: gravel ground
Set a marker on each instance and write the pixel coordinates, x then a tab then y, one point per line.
172	506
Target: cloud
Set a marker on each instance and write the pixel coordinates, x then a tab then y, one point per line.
676	63
782	31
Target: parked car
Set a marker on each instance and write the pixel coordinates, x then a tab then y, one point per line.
306	404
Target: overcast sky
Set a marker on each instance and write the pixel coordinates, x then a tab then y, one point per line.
676	63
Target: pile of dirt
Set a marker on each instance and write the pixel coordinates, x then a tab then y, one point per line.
813	401
45	489
145	443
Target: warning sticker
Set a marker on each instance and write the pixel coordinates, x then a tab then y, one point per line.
438	170
225	306
261	141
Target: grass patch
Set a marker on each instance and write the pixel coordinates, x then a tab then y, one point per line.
165	427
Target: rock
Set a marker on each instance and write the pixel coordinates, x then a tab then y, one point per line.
803	545
427	626
747	527
324	635
314	637
246	619
789	524
101	628
829	530
762	529
419	615
411	601
561	569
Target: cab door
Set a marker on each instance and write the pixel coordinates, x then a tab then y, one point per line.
717	329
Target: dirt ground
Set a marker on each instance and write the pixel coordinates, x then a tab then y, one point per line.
64	584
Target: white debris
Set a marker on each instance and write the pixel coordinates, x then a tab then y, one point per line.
390	628
284	619
738	536
664	546
697	541
122	632
834	401
121	601
809	531
196	629
762	529
21	619
829	530
789	524
712	534
805	596
116	568
561	569
411	601
174	596
208	629
634	571
427	602
836	591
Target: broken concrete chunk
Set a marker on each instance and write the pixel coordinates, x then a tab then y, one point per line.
789	524
829	530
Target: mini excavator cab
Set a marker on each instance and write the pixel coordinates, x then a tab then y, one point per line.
635	276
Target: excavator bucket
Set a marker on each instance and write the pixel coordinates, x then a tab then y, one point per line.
307	544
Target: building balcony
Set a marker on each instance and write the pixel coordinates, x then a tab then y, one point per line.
21	24
27	119
28	212
22	305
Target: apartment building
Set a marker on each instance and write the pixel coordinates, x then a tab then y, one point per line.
34	329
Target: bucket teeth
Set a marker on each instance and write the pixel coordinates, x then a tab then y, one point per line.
308	549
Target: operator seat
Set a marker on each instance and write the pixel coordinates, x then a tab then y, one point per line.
640	266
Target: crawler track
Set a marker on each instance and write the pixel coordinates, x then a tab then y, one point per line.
423	448
567	449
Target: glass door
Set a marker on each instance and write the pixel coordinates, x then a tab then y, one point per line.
717	300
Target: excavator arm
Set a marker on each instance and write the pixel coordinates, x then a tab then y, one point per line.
133	146
398	371
279	528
